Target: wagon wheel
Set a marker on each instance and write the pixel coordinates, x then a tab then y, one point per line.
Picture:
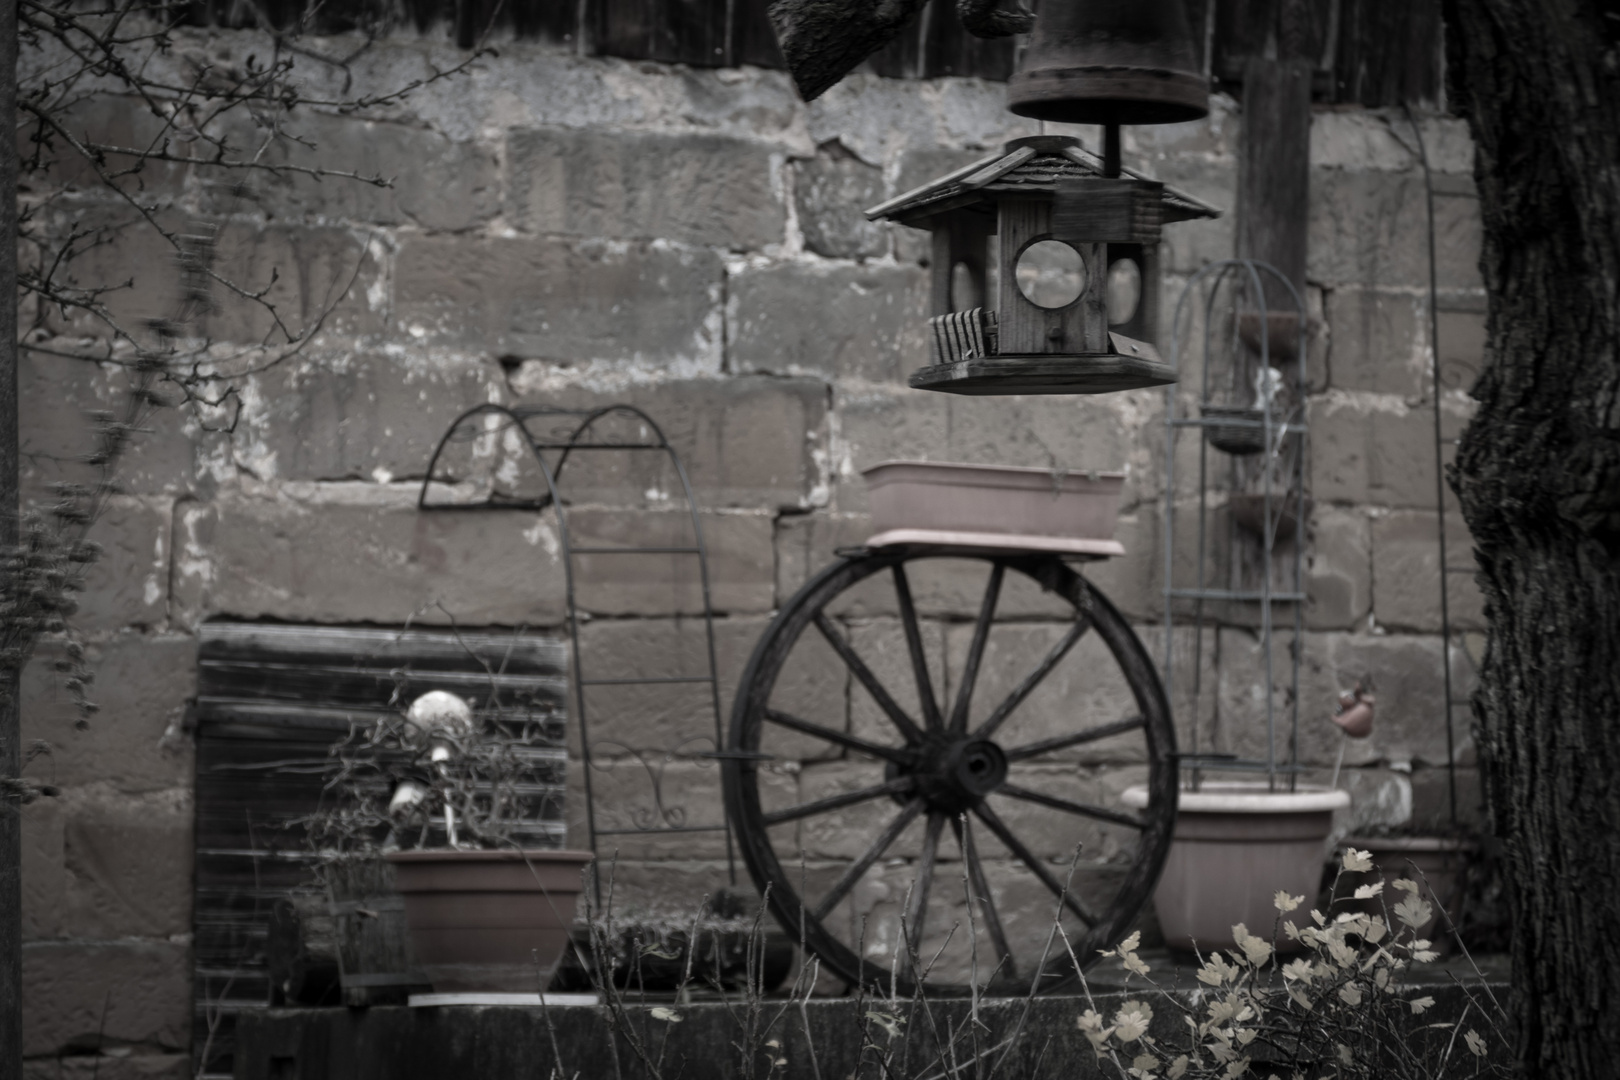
872	790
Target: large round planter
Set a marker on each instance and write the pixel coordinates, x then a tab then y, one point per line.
489	920
1435	863
1235	846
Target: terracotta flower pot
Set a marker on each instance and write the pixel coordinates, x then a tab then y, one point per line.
489	920
994	506
1235	846
1436	863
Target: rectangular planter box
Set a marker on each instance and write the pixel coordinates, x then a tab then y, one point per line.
994	506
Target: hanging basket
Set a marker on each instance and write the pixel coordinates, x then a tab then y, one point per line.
1243	436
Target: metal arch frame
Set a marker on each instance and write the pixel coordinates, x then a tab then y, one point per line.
1273	432
517	417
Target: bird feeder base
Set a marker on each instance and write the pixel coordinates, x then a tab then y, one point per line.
1085	373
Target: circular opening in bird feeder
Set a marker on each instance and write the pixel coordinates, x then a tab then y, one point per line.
1051	274
1124	291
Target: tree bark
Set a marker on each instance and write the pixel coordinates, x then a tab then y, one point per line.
1538	474
10	720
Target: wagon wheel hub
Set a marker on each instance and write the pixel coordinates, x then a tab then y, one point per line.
954	776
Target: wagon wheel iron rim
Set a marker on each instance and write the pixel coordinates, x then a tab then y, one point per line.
940	768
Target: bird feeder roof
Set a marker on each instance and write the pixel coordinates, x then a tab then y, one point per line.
1027	166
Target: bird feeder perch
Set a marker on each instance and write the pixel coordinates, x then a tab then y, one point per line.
1045	271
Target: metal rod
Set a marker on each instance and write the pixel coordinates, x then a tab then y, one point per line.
1439	467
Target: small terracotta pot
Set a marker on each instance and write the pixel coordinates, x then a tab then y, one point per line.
489	920
1235	846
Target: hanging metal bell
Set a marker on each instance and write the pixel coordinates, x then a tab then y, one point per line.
1110	62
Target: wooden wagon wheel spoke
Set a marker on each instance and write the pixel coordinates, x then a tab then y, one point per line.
1100	813
860	866
857	666
1077	630
981	635
900	785
917	905
898	754
1029	859
914	646
981	887
1063	742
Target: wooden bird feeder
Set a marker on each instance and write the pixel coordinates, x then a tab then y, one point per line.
1045	271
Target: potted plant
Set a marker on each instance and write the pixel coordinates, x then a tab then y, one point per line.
447	796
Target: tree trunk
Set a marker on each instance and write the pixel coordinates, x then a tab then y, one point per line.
1538	473
10	718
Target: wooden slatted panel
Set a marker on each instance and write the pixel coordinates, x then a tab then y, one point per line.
272	701
1371	52
1388	53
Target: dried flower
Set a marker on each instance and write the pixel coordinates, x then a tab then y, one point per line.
1419	1004
1132	1020
1357	862
1367	892
1285	903
1475	1043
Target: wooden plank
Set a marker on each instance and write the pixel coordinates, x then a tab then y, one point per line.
622	28
1107	211
1275	174
1388	53
556	21
688	32
752	39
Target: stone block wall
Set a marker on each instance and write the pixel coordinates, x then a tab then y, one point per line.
585	231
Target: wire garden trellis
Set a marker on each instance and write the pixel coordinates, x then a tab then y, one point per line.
1250	532
495	438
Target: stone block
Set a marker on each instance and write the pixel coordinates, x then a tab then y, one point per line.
806	543
746	442
1406	572
1409	724
742	565
431	181
128	862
1189	245
346	563
131	745
574	302
79	996
635	799
1379	342
811	685
1378	451
922	164
320	279
56	397
875	426
1371	228
44	876
129	583
1462	346
708	189
1360	140
366	416
881	643
830	191
1085	689
864	322
111	120
662	891
1338	569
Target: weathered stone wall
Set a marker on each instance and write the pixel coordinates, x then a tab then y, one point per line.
588	231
